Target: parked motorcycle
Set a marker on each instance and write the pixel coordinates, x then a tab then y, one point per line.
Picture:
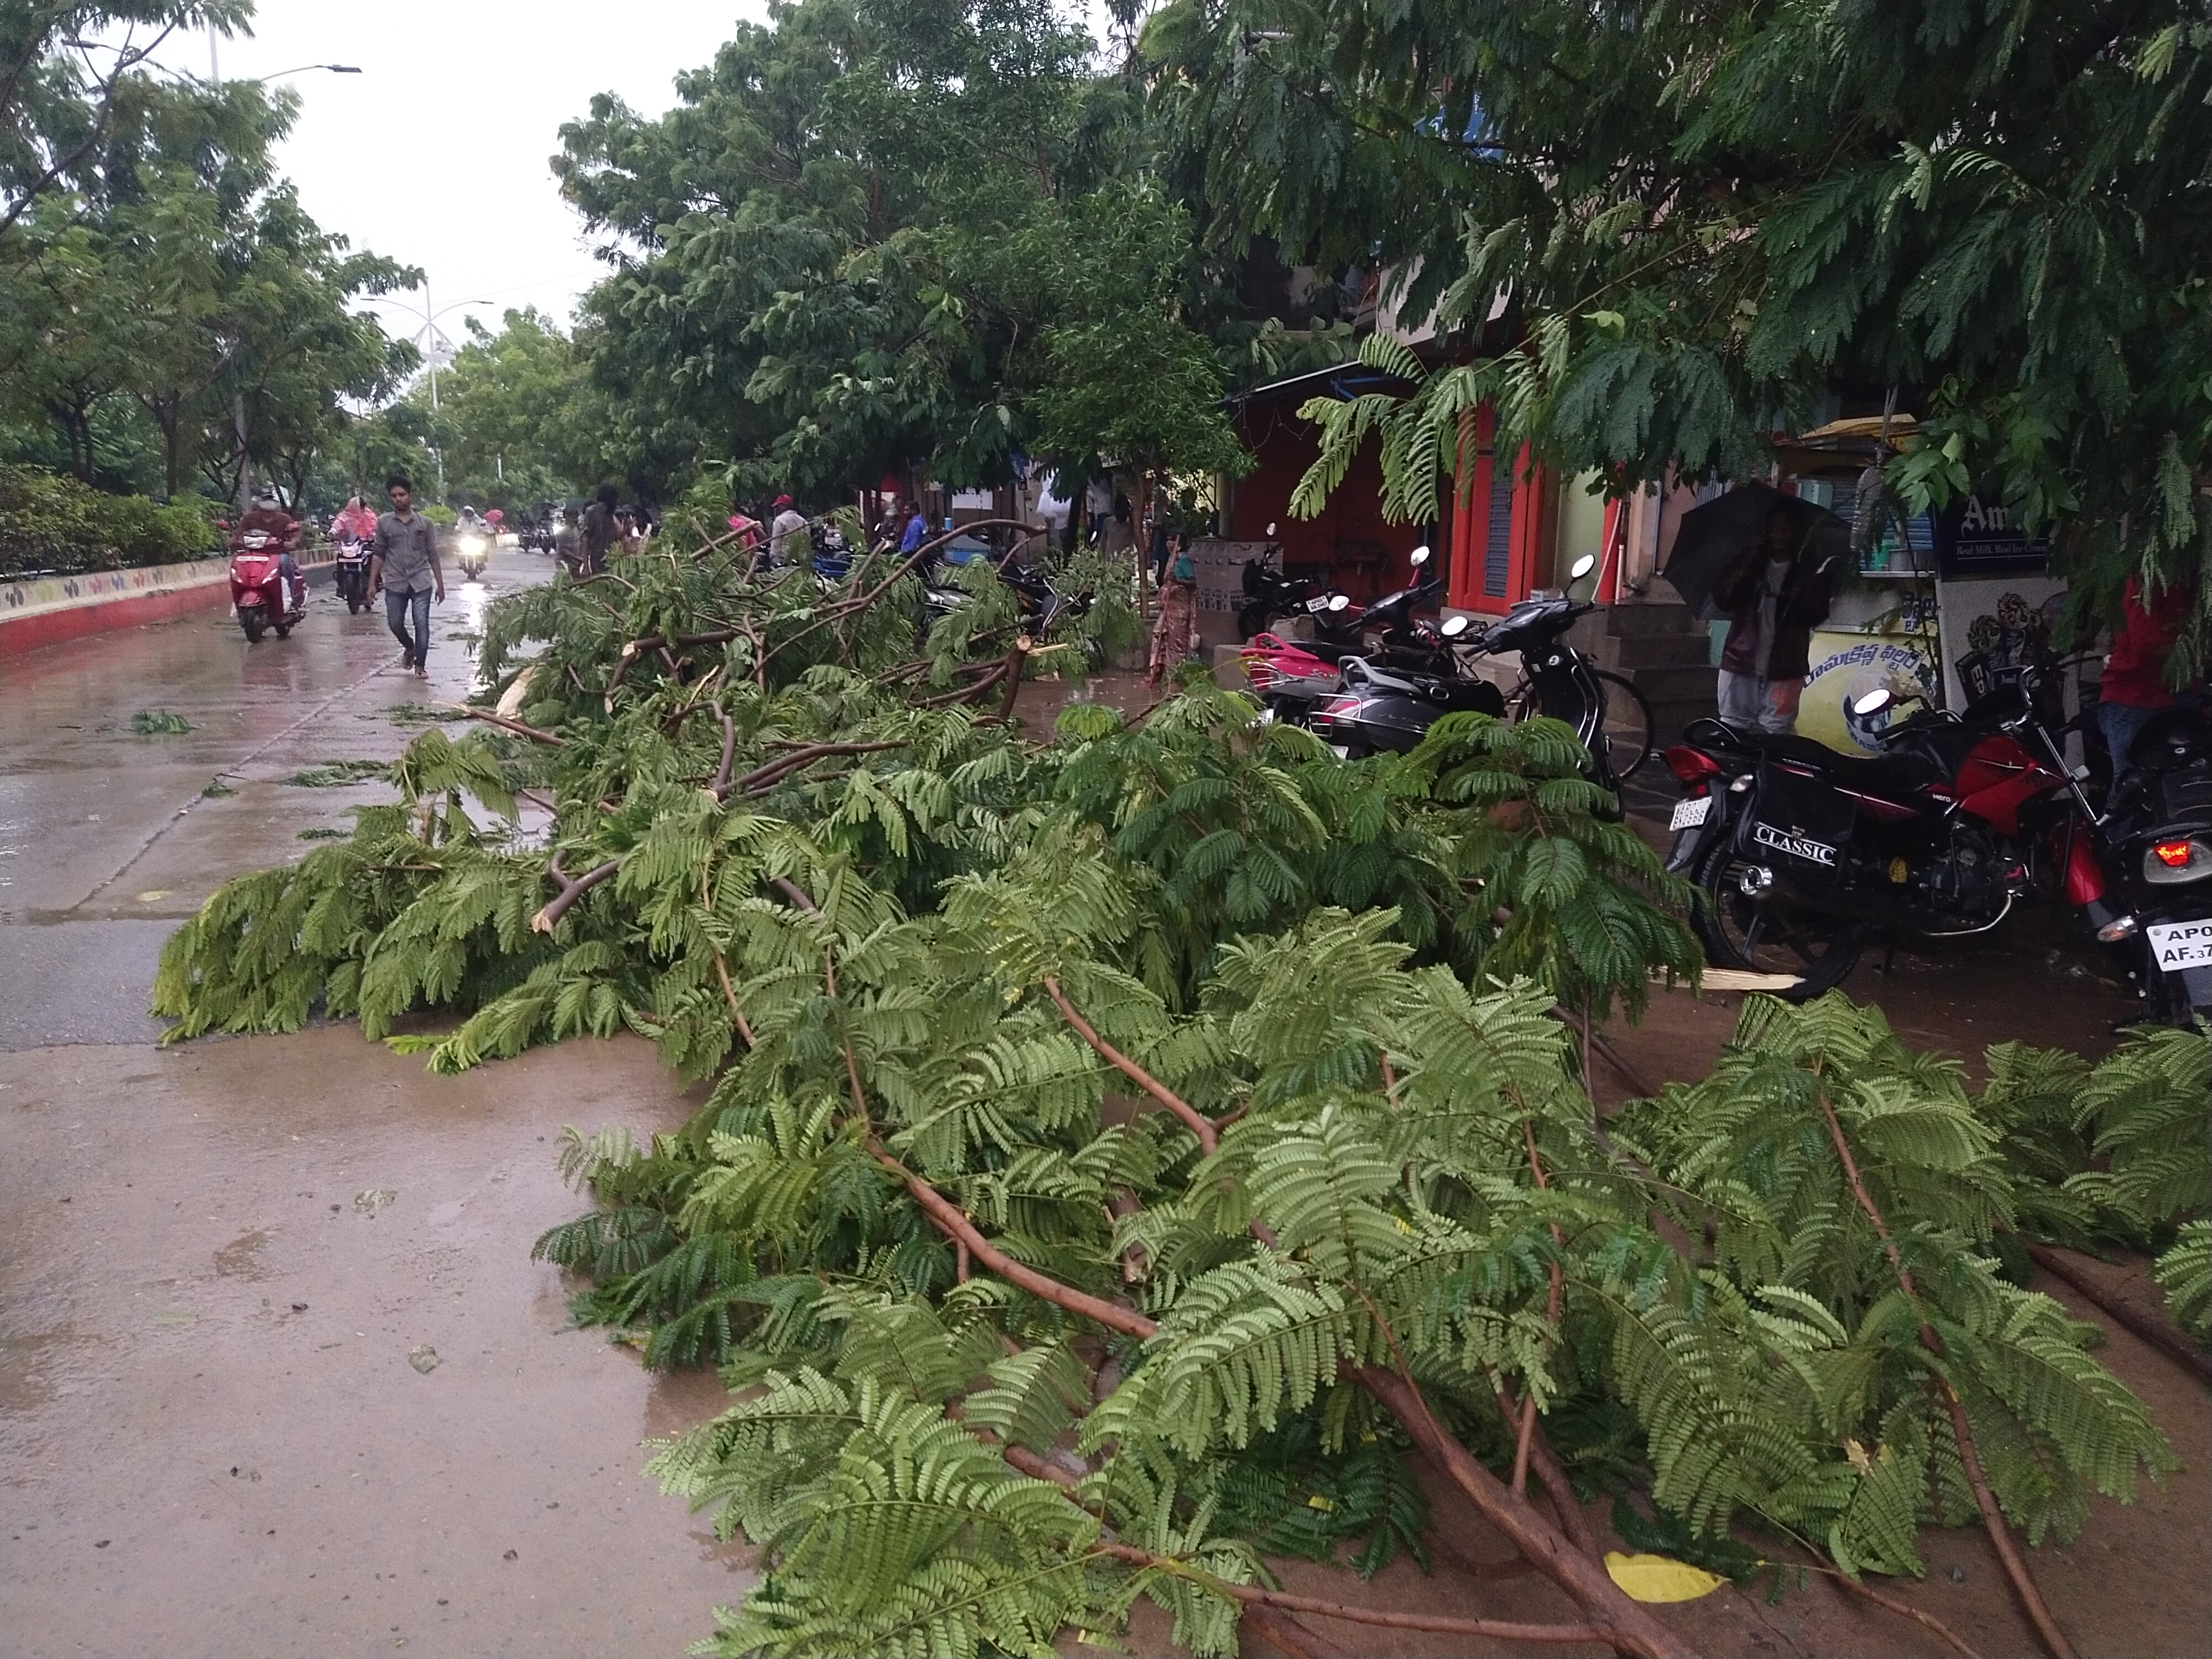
1290	679
1608	713
2158	830
1393	692
1269	595
257	585
350	575
1802	854
1041	603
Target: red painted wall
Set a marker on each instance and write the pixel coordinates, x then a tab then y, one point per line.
1365	555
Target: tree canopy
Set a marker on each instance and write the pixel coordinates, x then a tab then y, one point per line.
879	233
157	274
1658	233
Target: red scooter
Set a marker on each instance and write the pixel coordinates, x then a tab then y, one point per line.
256	585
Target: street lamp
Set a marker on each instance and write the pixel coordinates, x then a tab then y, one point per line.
238	397
428	336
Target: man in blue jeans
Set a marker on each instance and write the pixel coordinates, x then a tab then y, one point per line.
405	553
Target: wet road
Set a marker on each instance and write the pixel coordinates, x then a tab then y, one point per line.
215	1262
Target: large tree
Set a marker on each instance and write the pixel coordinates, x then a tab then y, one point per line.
859	239
1661	227
165	280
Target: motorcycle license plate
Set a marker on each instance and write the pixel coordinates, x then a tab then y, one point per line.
1689	814
2175	945
1797	847
1317	604
1340	750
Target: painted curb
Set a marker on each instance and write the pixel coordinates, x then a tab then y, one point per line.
48	610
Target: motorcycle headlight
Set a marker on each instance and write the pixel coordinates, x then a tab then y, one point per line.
2173	860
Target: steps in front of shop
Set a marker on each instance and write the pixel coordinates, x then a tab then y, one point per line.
1665	651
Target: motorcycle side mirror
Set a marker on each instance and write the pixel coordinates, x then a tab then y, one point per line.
1419	557
1873	703
1340	602
1454	627
1582	567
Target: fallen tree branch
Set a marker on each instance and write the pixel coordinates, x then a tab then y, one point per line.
507	725
2148	1326
1614	1618
1606	1051
1895	1606
1993	1521
947	1219
572	888
766	775
1209	1138
1494	1630
1618	1621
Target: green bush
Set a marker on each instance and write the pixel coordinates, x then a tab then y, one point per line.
50	523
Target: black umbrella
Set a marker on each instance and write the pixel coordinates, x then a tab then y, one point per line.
1715	535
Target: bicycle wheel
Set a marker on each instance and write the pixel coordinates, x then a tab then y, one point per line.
1630	738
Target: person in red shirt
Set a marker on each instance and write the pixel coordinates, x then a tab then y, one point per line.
268	517
2134	686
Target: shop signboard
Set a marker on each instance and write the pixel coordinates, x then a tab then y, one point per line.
1980	537
1846	664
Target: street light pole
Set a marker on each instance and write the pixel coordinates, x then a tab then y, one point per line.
241	452
430	311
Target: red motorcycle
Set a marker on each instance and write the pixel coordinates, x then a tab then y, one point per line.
1802	854
258	585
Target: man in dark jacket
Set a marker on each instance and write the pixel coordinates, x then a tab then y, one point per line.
1773	601
602	534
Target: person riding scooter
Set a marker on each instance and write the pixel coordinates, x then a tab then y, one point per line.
272	519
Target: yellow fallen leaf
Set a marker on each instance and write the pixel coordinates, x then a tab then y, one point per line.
1657	1578
152	894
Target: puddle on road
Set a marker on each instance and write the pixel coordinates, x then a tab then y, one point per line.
241	1257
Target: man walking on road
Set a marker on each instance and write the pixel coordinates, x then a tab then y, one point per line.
601	533
406	554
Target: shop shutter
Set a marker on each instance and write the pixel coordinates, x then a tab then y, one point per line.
1497	548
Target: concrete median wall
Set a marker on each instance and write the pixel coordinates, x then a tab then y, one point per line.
43	611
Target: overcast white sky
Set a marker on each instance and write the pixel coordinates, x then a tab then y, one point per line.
435	154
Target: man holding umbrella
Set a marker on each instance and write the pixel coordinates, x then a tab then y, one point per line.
1764	561
1773	601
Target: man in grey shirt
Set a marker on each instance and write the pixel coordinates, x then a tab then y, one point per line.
404	552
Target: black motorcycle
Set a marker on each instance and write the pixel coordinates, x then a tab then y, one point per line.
2158	829
1270	595
1803	854
1403	680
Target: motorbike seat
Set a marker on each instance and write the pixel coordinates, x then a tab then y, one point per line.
1889	776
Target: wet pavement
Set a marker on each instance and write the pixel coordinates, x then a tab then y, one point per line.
277	1375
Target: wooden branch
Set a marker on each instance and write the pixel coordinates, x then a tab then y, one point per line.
2152	1329
947	1219
1623	1622
1614	1618
572	888
730	996
1626	1072
792	890
1993	1521
1895	1606
719	789
765	777
1495	1630
1278	1629
507	725
1208	1137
